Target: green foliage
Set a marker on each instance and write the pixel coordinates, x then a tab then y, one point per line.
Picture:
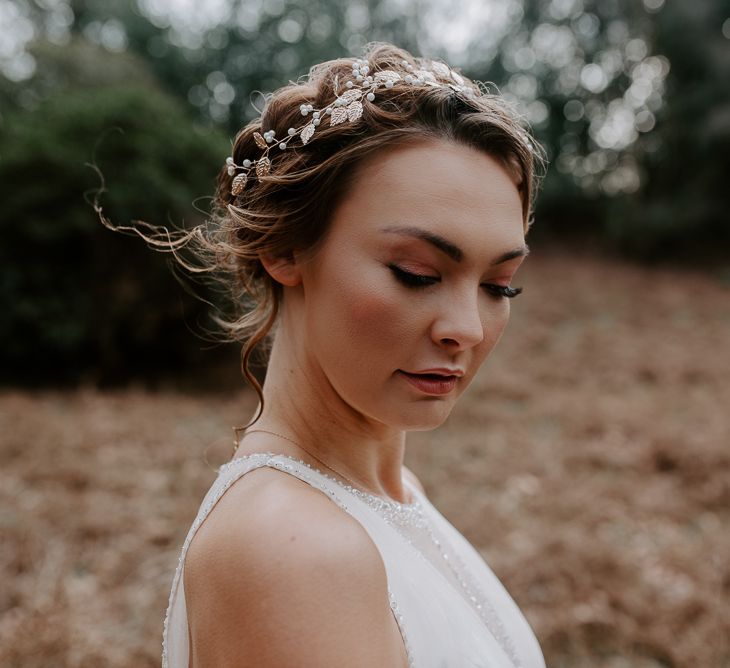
631	100
684	201
77	297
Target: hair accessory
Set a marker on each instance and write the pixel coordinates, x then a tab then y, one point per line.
346	108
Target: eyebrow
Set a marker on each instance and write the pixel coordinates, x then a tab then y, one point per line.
449	248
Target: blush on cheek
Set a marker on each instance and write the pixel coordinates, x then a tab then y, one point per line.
375	315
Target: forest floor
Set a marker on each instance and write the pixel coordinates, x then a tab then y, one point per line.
589	462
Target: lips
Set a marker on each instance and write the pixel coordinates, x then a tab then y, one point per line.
431	382
440	371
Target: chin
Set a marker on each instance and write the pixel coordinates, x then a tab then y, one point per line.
423	417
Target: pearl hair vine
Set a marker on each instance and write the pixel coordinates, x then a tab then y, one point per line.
346	108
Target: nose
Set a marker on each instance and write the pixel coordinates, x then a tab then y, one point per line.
459	324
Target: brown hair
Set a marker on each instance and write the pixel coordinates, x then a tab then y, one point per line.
290	209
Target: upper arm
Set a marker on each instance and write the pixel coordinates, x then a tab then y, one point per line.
293	580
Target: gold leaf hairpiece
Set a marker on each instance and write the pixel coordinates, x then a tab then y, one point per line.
346	108
239	183
263	166
307	133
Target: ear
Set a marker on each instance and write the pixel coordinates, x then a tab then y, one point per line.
283	269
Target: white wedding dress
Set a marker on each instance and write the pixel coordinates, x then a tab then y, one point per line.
451	609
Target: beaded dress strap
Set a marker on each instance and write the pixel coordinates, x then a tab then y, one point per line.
401	512
228	474
402	517
313	476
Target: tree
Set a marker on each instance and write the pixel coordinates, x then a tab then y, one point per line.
78	297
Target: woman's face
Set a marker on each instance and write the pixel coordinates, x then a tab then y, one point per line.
408	293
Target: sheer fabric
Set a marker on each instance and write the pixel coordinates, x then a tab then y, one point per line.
451	609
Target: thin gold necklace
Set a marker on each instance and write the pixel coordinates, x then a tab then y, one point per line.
311	454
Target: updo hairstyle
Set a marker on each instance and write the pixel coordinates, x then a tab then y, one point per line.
290	208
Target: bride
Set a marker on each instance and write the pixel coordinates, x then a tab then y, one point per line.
371	222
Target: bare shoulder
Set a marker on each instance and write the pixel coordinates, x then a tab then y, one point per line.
279	572
411	477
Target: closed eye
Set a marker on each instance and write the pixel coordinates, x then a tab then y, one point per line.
501	290
411	280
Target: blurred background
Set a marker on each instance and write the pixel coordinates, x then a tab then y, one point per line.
591	454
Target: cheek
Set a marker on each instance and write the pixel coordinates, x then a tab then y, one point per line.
360	318
375	317
494	326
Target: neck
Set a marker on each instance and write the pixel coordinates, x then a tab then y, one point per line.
301	405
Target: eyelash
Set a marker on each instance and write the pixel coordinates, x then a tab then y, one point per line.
411	280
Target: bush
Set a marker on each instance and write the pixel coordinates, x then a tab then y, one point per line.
79	299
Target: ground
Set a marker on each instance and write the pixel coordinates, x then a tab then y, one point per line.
589	463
